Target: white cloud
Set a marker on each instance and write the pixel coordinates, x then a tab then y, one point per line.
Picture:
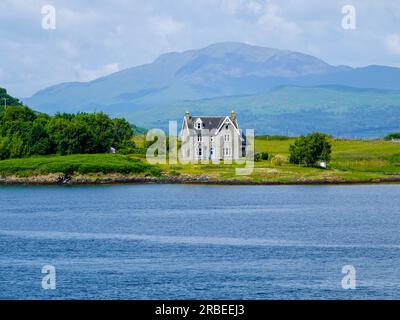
254	7
165	26
68	48
237	7
92	36
392	43
273	22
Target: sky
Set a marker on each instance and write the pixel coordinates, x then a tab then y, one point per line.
84	40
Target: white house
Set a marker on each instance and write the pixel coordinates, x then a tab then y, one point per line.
212	138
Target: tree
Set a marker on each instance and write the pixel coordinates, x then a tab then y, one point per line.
4	148
18	148
395	136
24	132
311	149
68	136
100	129
18	113
122	132
10	101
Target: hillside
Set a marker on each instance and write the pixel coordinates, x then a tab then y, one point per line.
340	111
219	70
253	80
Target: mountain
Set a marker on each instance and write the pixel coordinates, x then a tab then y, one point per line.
289	110
220	72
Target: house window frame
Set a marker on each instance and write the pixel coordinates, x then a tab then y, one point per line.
198	124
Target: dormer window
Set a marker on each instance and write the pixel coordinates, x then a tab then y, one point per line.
198	124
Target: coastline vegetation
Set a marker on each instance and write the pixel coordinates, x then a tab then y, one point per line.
351	161
24	132
76	164
36	144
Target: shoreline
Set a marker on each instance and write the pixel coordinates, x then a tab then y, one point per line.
52	180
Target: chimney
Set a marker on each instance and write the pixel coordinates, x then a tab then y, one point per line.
233	117
187	115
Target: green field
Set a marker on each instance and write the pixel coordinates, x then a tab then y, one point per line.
76	164
352	161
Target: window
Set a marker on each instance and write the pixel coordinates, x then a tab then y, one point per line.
198	124
227	138
200	151
227	151
212	139
199	139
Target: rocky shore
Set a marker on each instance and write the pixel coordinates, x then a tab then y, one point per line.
100	179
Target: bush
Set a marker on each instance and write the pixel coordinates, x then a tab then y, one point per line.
310	150
127	147
264	155
257	157
278	160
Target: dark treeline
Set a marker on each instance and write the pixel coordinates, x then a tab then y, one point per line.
24	132
6	99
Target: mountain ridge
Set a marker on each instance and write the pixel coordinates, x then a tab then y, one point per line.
220	70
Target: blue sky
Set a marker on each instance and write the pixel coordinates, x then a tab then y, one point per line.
96	38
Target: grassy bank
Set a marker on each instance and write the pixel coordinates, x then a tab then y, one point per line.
352	161
76	164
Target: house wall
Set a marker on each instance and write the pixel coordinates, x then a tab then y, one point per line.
190	145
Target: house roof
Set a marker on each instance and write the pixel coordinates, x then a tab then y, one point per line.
212	124
209	122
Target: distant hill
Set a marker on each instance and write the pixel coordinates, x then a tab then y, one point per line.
288	110
152	91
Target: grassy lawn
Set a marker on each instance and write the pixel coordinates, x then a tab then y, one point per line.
82	164
351	160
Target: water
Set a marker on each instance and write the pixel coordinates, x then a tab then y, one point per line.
200	242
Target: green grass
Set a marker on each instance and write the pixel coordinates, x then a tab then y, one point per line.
81	164
352	160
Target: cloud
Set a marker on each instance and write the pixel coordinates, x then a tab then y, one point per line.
97	38
273	22
165	27
237	7
254	7
392	43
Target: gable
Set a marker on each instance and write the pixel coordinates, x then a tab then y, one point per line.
210	123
